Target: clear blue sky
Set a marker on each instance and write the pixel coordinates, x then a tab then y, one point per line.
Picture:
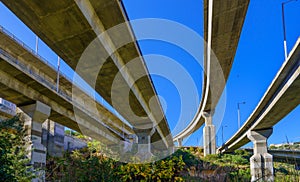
258	58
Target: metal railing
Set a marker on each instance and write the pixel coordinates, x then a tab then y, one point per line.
15	62
26	47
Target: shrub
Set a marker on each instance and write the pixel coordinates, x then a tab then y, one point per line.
14	163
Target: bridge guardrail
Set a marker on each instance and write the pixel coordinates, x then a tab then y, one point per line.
17	63
20	42
49	84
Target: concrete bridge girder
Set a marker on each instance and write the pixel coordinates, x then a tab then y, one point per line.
85	20
77	122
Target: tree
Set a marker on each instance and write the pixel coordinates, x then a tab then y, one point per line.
14	163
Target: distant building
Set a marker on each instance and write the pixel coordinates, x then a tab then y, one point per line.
53	134
57	142
7	109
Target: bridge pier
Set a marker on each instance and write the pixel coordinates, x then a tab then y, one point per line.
38	112
209	138
179	141
261	163
144	144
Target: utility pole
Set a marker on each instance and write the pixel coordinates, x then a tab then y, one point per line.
239	114
284	30
36	45
223	134
58	67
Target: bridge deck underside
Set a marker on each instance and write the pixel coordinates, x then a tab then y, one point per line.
64	28
227	22
21	89
29	60
287	84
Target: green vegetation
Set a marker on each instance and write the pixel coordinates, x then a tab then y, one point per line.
286	172
13	160
223	167
91	163
294	146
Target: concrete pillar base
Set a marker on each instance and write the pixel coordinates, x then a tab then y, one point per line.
179	141
37	114
261	166
144	144
209	139
261	163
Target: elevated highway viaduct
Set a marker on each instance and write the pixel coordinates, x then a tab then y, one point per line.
223	22
285	156
281	97
29	82
68	27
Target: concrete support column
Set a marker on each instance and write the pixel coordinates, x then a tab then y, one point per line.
209	134
179	141
261	163
38	112
144	143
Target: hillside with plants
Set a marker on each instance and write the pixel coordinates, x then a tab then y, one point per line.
14	164
91	163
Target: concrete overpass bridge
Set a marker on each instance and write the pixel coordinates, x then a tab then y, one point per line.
285	156
282	96
26	78
69	26
223	22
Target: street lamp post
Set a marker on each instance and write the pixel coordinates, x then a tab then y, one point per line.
284	31
239	115
58	70
223	134
36	44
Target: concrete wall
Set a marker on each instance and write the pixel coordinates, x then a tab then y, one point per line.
53	138
72	143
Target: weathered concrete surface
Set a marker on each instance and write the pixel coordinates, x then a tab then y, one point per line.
36	64
209	135
285	156
72	143
26	80
53	138
38	113
64	27
227	22
282	96
144	144
261	163
228	19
